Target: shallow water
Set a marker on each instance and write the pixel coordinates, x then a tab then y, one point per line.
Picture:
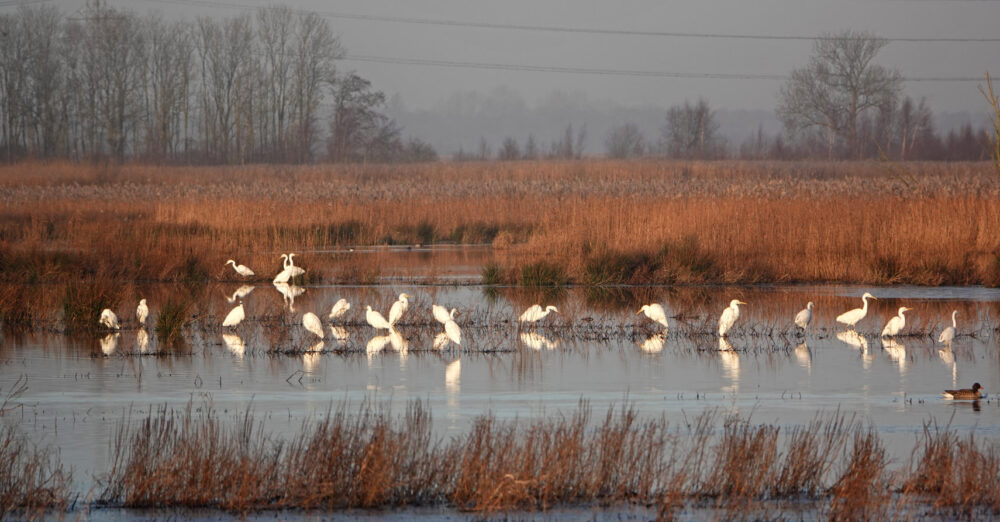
597	349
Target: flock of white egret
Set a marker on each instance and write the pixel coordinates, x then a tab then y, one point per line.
452	332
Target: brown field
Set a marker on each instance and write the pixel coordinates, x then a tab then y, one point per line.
586	222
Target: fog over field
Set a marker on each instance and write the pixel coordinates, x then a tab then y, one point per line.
458	72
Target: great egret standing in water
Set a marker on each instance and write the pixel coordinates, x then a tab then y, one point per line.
142	312
729	316
399	308
312	323
804	317
376	320
851	317
242	270
453	331
339	309
656	313
949	333
234	316
535	313
109	319
290	266
895	324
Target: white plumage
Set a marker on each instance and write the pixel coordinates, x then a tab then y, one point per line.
804	317
656	313
851	317
895	324
234	316
109	319
339	309
399	308
729	316
312	323
535	313
376	319
949	333
242	270
453	331
442	315
142	312
110	343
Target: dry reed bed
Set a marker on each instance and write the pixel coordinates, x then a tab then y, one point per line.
372	458
594	222
32	480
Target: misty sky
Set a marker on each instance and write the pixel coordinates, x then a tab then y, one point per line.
422	86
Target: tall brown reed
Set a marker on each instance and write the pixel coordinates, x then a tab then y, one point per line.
32	481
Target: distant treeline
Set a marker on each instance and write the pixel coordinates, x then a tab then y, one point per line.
109	84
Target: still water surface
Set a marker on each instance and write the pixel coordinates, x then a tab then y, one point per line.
597	349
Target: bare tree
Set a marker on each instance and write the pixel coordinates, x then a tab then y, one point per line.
994	102
356	118
838	86
167	77
625	141
691	132
509	151
316	49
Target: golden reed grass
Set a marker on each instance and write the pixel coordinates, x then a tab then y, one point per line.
32	481
655	221
371	458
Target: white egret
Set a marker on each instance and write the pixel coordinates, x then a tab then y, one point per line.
804	317
242	270
442	315
949	333
339	309
234	316
110	343
656	313
399	308
283	277
376	320
240	293
142	340
895	324
292	269
142	312
535	313
965	394
851	317
235	344
453	332
312	323
109	319
729	316
288	271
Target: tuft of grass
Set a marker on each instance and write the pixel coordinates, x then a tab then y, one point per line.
32	481
82	304
543	274
170	320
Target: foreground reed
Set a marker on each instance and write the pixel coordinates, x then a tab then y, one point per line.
31	479
372	458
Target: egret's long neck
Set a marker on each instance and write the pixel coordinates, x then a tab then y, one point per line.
865	307
953	323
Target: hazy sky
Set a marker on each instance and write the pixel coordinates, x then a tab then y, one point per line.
422	86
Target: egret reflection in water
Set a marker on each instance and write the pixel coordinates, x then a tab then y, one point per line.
311	358
240	293
109	343
896	351
376	344
730	360
142	340
340	334
538	341
289	293
858	341
654	344
235	344
804	356
453	375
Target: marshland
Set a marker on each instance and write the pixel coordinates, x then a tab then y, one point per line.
240	278
595	407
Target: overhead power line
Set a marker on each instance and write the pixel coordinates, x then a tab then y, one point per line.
607	72
569	29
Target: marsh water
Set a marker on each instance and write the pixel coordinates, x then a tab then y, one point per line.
597	349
